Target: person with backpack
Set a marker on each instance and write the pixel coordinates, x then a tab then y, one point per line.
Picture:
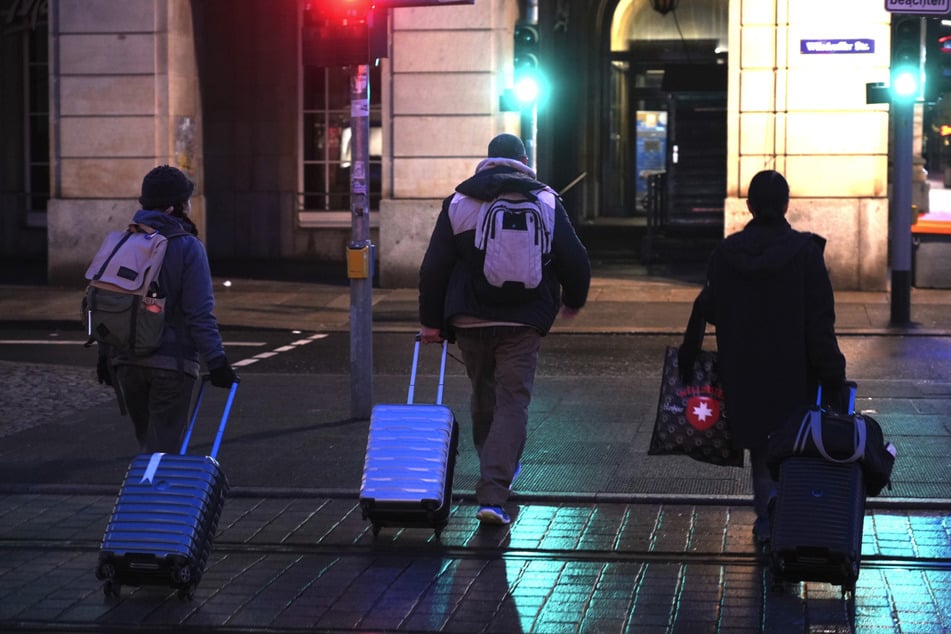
502	260
769	296
156	389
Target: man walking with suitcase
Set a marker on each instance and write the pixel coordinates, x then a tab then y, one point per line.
502	260
768	294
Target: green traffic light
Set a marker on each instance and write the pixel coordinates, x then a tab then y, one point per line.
906	84
906	57
526	90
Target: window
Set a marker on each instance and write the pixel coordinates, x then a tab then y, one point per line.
24	116
37	142
326	142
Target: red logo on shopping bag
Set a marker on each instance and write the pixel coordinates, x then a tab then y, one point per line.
702	412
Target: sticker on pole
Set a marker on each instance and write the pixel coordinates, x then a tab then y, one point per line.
929	7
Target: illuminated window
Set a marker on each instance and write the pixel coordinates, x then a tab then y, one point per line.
326	142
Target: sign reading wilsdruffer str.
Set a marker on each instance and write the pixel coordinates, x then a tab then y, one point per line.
862	45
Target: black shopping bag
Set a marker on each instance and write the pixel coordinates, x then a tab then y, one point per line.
692	419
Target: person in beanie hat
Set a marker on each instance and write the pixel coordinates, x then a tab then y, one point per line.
164	187
769	296
499	342
507	146
157	389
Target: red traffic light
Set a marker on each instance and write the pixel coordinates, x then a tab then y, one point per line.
340	10
337	32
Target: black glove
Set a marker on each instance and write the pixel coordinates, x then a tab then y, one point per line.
222	375
103	372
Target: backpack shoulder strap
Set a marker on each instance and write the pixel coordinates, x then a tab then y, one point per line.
139	227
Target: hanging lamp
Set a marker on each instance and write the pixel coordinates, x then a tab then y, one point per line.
664	7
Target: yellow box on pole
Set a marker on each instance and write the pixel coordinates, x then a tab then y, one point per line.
358	261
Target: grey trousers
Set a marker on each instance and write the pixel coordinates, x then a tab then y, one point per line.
501	363
158	402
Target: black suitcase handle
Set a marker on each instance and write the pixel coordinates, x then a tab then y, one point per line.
221	425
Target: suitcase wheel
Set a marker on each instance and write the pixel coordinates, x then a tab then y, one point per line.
111	590
105	570
182	575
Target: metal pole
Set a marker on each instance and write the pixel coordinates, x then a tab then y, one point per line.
903	120
361	288
529	121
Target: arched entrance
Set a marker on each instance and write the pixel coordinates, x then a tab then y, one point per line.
661	131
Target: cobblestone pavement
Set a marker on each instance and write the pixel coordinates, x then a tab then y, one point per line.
312	564
34	394
302	562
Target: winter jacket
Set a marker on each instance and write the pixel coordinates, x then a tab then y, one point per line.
191	329
446	275
768	294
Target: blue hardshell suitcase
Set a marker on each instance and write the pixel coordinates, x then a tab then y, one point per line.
410	459
165	517
818	520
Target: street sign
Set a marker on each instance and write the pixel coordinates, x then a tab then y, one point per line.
919	7
837	46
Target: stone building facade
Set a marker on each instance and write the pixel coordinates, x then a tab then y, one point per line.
217	87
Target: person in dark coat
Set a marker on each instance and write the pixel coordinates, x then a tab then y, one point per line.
157	389
769	296
499	341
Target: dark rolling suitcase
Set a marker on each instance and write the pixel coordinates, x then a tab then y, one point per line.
818	518
818	521
165	517
410	460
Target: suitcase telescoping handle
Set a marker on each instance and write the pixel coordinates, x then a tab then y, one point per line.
442	372
852	389
221	425
812	427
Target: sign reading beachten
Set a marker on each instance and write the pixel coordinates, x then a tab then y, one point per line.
863	45
931	7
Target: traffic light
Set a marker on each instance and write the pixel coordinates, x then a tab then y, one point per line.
343	32
528	78
937	59
906	75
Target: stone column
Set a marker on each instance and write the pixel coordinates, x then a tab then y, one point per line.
804	114
123	99
448	66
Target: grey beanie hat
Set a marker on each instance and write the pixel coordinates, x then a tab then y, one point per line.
507	146
164	187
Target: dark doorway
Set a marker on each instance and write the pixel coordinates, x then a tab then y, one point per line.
665	156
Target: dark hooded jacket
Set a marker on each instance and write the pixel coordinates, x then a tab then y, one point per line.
768	294
449	266
191	329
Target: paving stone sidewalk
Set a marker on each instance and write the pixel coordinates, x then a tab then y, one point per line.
312	564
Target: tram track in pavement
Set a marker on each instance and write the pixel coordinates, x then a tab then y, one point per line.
436	550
